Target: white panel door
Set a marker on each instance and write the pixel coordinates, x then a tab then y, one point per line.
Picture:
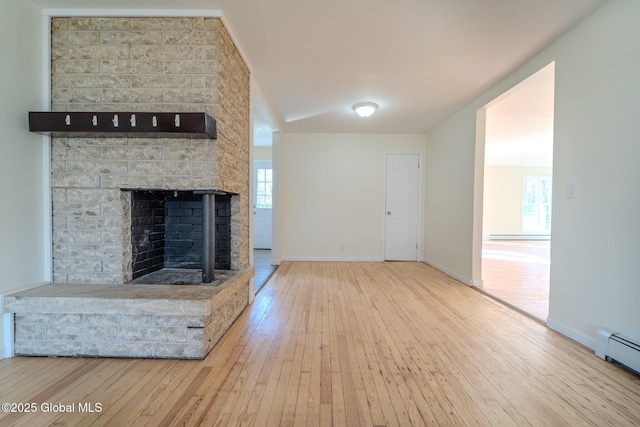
263	185
401	225
261	228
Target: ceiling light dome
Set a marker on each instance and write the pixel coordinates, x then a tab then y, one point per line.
365	109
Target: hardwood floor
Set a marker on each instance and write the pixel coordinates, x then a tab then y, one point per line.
345	344
517	272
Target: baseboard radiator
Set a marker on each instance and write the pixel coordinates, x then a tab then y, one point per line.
614	347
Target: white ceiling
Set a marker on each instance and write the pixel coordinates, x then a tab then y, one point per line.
519	124
420	60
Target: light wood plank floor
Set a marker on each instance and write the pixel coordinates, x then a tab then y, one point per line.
346	344
517	272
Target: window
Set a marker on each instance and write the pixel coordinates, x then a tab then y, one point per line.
536	204
264	188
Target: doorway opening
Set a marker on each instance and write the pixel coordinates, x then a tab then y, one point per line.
517	189
262	222
263	195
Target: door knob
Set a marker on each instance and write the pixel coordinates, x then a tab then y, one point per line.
388	212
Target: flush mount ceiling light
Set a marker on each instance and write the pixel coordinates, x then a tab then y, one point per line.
365	109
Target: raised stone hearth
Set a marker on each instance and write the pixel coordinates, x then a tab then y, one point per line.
144	321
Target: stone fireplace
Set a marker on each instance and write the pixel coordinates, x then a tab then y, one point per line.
135	65
102	184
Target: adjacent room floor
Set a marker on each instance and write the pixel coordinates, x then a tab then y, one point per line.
264	269
517	273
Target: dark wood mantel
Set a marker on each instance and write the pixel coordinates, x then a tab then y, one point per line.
117	124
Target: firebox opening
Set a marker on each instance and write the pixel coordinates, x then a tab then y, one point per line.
167	233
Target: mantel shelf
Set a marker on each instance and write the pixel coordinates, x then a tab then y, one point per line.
119	124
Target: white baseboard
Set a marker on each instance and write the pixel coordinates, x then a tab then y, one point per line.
332	259
519	237
448	272
571	333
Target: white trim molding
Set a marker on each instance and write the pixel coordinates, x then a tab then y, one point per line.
331	259
459	278
6	332
6	346
571	333
134	13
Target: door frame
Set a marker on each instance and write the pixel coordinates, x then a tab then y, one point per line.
478	178
420	187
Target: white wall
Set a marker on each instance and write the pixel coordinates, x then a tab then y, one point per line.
597	131
23	154
448	202
503	187
594	248
332	194
262	153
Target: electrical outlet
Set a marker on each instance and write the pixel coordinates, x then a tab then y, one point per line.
342	246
